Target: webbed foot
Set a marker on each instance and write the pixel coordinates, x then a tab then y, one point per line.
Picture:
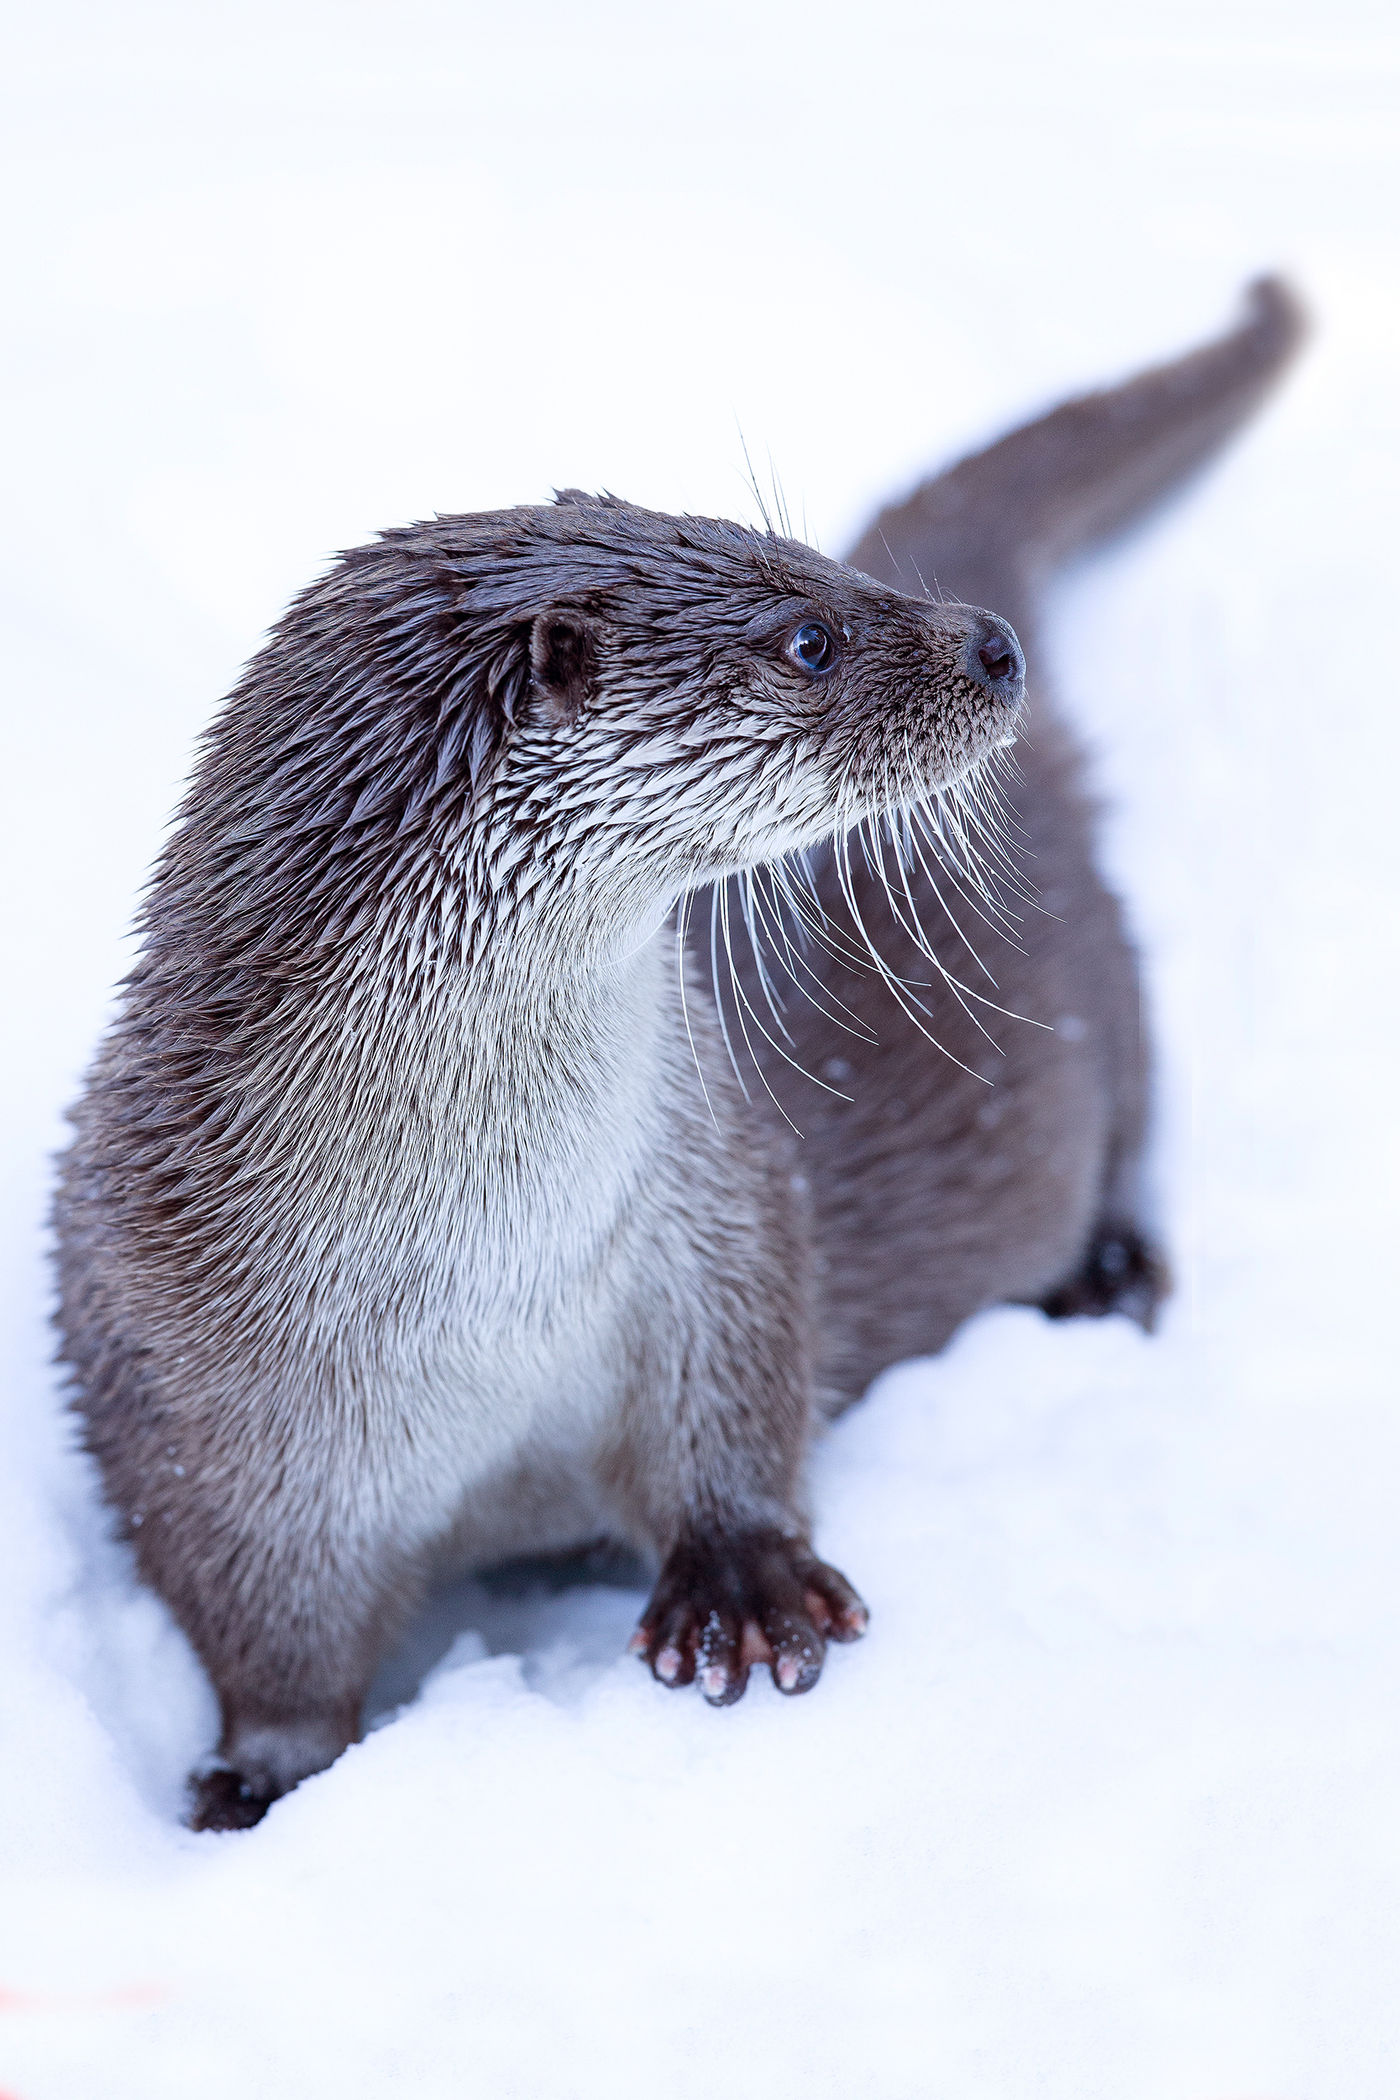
1121	1273
723	1604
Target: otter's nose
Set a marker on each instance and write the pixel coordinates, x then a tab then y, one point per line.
995	661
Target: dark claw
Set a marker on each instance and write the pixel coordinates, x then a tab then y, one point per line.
723	1604
798	1652
672	1654
719	1659
845	1614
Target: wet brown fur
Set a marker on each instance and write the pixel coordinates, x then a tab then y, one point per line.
417	1211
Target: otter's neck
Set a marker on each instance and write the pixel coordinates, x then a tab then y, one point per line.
514	1063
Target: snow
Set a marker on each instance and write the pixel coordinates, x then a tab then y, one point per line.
1108	1802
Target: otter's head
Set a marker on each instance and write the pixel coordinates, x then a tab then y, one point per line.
712	697
586	700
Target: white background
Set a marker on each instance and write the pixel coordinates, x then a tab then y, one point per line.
1108	1803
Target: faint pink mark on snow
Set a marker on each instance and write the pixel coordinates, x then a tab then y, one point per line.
77	2001
80	2001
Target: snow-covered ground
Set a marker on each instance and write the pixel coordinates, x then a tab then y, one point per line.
1108	1803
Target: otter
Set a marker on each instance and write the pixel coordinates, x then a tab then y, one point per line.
426	1208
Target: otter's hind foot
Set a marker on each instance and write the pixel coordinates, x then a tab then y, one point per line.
723	1604
1121	1273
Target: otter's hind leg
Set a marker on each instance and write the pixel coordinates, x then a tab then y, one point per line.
1122	1268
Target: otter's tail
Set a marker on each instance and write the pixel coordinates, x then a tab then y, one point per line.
990	529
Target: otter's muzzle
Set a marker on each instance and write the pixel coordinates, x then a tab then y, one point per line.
994	661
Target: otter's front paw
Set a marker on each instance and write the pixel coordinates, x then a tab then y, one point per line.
725	1603
223	1799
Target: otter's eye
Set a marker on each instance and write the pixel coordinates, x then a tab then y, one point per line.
813	648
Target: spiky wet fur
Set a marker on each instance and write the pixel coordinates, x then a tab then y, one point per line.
417	1208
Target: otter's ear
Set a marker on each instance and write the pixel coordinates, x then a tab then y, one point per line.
563	665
